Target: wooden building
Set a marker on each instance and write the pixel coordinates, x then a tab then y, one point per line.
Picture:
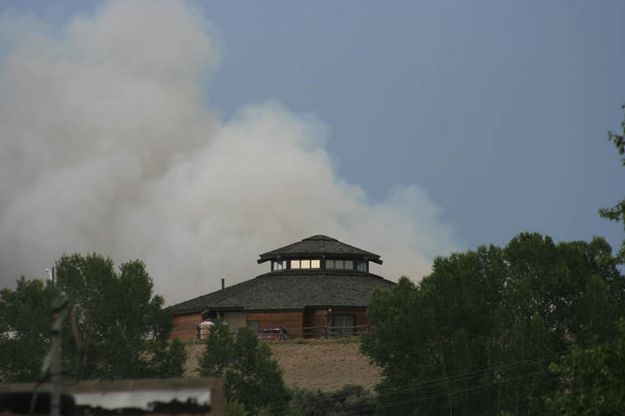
315	287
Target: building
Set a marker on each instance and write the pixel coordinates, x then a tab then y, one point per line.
316	286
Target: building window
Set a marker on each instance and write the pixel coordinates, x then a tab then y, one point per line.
362	266
278	265
253	325
340	264
343	325
305	264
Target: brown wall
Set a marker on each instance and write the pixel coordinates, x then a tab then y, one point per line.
360	314
185	326
317	319
236	320
291	321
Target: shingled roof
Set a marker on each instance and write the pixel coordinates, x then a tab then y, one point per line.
319	245
290	290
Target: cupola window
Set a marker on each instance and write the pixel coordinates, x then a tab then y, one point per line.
305	264
340	264
278	265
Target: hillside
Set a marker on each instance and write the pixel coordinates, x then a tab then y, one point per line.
314	364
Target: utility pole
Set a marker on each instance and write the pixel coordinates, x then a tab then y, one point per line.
59	312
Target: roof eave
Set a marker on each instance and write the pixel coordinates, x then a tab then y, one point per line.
302	255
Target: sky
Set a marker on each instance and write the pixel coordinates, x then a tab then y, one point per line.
196	135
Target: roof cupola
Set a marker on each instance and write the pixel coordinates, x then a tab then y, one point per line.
320	252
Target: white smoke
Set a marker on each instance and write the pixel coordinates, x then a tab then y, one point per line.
106	145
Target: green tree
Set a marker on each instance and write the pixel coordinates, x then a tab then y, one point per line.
617	212
592	376
25	322
593	380
251	375
349	400
477	335
123	328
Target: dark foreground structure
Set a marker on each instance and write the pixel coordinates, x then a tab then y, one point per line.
198	397
316	287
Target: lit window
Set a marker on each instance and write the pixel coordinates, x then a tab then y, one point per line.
294	264
315	264
305	264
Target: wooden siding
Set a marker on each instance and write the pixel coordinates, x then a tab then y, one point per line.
184	327
291	321
236	320
318	319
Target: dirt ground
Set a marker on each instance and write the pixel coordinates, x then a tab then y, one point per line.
313	364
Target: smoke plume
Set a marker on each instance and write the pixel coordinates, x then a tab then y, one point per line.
107	145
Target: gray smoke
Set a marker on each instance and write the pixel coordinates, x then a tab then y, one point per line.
106	145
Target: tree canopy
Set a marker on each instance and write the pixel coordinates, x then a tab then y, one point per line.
477	335
593	377
617	212
251	375
122	325
25	321
593	380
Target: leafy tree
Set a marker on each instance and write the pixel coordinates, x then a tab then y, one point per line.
617	212
593	380
592	375
478	334
349	400
123	327
25	322
251	375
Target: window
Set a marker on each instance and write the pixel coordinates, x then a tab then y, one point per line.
278	265
305	264
253	325
362	266
340	264
343	325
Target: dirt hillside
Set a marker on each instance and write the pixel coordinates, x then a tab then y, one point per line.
314	364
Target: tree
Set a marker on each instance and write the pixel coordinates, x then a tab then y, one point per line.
349	400
25	322
123	327
251	375
592	375
593	380
477	335
617	212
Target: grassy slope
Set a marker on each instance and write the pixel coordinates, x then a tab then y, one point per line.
314	364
